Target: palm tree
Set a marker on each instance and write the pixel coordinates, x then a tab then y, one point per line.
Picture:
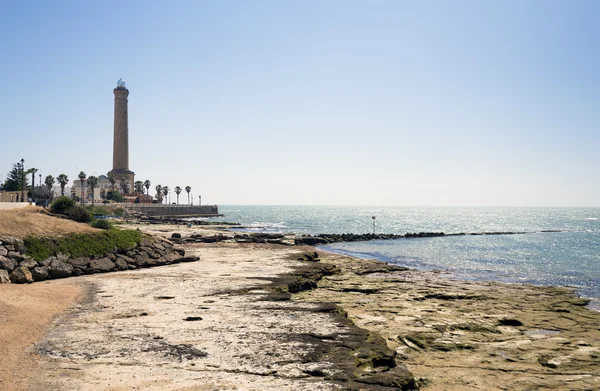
62	179
124	186
112	180
188	189
49	182
165	191
159	193
147	185
82	176
32	171
139	187
177	191
92	181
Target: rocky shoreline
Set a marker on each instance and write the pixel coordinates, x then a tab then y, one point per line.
18	267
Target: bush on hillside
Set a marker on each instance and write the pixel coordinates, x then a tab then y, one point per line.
102	224
62	204
79	214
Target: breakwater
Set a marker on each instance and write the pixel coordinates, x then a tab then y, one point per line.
313	240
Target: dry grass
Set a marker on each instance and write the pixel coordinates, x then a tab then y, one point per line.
18	223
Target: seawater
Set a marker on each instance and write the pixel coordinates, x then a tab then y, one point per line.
570	257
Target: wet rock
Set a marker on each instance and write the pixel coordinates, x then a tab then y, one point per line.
21	275
8	264
102	265
40	273
4	277
60	269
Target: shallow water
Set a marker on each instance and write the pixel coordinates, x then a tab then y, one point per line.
567	258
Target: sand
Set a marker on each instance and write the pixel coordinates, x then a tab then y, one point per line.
32	220
26	312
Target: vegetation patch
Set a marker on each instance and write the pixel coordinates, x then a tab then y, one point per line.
82	245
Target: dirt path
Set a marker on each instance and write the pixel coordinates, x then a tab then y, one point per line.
26	312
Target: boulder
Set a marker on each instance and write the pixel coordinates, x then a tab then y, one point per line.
189	258
60	269
21	275
81	262
40	273
101	265
10	247
16	256
112	256
47	261
8	264
127	259
4	277
121	264
29	263
3	251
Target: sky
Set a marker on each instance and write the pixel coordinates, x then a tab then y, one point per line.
409	103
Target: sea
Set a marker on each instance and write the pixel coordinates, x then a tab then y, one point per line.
557	246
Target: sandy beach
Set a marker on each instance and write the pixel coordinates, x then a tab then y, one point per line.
219	324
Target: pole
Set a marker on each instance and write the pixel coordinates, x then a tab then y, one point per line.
199	200
373	217
23	179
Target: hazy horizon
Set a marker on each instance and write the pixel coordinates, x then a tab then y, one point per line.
383	103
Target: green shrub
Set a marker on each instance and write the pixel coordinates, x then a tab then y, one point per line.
82	245
114	195
99	210
62	204
102	224
80	214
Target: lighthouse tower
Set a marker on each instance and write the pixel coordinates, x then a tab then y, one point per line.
121	138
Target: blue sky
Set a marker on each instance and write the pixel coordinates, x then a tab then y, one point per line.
465	103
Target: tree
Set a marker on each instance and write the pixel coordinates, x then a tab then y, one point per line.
82	175
159	193
14	178
165	191
188	189
147	185
112	180
32	171
93	182
124	186
139	187
49	182
62	179
177	191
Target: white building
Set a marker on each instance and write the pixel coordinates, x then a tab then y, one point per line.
102	187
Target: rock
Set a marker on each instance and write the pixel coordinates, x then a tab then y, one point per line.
180	251
40	273
3	251
10	247
510	322
81	262
8	264
47	261
112	256
60	269
102	265
127	259
21	275
121	264
4	277
62	257
160	246
29	263
189	258
16	256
